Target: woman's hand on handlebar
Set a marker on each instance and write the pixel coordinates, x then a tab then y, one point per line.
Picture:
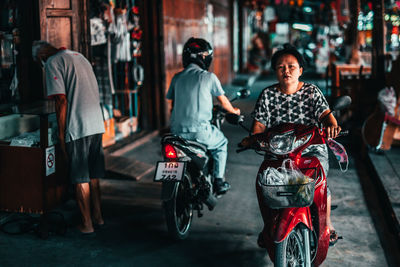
247	142
332	131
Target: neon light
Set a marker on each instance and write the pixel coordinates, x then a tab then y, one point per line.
302	27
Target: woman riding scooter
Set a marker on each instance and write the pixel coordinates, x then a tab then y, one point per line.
294	101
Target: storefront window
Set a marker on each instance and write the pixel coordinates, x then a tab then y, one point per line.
116	42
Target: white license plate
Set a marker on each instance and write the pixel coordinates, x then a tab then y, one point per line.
169	171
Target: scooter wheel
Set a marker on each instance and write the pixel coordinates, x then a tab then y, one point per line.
290	251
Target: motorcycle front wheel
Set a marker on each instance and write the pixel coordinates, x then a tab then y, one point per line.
290	252
179	210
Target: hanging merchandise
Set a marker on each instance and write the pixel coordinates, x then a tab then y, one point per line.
138	74
97	32
100	17
136	43
14	85
109	64
118	30
124	52
6	50
136	34
126	39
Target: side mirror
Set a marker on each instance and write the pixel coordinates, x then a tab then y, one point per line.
244	93
341	102
233	118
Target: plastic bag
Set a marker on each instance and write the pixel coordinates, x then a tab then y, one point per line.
387	100
27	139
287	174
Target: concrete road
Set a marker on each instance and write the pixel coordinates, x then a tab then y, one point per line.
136	234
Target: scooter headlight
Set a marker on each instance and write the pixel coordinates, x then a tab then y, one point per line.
282	143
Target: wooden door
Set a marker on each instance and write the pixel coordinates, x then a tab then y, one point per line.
64	23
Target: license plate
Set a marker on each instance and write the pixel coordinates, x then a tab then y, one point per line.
169	171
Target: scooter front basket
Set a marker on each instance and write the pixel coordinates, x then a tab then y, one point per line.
286	196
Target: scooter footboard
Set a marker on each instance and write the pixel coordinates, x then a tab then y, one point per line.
289	218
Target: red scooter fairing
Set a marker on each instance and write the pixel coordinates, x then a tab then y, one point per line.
280	222
289	218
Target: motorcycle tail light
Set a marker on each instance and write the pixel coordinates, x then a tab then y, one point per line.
170	152
282	143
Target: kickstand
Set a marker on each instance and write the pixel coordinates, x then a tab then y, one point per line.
199	214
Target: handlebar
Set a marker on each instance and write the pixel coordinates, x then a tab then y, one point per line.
343	133
220	109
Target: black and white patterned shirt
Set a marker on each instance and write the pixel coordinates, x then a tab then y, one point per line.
305	106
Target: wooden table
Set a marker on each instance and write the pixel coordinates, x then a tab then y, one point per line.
342	72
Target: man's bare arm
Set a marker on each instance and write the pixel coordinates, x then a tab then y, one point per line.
61	113
226	104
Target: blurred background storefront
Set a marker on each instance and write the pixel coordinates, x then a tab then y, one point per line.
135	45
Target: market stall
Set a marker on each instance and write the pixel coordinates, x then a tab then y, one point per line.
33	176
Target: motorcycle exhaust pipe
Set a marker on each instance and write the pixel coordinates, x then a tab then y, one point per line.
211	201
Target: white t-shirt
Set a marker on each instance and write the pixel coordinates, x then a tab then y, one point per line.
70	73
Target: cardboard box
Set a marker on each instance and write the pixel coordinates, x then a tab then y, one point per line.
126	125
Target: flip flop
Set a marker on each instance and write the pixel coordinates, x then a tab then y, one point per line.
76	232
99	226
333	238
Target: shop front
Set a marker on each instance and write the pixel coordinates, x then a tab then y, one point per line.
110	34
134	47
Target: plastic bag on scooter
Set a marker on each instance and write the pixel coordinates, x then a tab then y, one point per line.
286	186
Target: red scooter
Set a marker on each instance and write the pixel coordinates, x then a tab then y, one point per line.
295	229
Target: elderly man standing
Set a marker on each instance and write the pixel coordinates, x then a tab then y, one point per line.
71	82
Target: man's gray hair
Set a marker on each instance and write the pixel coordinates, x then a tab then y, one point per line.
38	46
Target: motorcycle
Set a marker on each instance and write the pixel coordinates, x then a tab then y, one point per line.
295	230
186	176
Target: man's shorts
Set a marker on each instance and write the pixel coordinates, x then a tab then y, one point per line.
85	159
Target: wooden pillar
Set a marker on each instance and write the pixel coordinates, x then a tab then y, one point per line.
352	34
378	43
241	35
30	82
152	111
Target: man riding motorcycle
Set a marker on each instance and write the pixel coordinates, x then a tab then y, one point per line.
191	92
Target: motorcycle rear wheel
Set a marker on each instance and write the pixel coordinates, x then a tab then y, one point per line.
290	252
179	210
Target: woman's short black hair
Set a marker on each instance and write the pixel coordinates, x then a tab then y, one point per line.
287	49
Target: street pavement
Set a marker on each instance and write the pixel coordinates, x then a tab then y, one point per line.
136	235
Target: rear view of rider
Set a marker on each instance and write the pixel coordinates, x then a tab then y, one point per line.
191	92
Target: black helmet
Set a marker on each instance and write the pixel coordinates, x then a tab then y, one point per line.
194	50
287	49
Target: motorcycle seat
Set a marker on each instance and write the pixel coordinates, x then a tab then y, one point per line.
198	145
175	138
